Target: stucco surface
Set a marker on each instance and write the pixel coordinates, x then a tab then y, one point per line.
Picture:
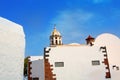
12	47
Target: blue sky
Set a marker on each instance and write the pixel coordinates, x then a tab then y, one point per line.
75	19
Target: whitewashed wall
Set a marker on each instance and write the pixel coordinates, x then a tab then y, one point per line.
37	66
12	47
112	43
77	62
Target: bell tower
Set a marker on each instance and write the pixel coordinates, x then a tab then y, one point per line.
55	37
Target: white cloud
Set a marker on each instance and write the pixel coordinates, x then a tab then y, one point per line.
71	24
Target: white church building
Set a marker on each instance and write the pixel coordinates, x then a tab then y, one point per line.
98	59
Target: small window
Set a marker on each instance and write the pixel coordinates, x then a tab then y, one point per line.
59	64
36	78
96	62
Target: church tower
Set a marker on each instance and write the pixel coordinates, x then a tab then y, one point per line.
55	37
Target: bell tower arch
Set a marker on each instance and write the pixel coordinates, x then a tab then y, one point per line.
55	37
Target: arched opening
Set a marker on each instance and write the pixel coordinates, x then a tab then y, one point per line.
56	42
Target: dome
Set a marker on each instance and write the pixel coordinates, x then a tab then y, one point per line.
107	39
112	43
55	32
77	44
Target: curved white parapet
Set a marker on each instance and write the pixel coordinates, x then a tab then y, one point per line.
12	47
107	39
112	44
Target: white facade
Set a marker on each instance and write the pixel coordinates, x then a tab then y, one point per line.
112	43
99	61
12	47
84	62
77	62
37	67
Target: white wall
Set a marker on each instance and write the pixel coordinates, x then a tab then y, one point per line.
37	66
112	43
12	47
77	62
77	59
